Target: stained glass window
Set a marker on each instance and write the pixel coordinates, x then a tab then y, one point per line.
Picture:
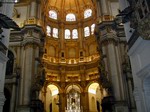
92	28
86	31
55	32
67	34
70	17
74	34
52	14
87	13
48	28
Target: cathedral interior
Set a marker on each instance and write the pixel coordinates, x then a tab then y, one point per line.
74	55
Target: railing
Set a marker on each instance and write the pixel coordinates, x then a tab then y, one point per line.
71	60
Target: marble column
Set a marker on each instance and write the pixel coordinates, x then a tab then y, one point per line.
33	9
113	70
104	52
104	7
27	76
22	58
98	8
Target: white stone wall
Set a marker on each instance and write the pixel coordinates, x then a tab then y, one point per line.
140	62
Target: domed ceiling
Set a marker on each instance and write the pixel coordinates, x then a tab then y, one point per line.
70	6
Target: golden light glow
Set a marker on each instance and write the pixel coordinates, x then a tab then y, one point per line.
92	88
53	89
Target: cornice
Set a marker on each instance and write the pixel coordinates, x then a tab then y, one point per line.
28	27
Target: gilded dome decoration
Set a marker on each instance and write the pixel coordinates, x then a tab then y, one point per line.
74	9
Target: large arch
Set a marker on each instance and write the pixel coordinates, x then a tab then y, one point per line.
51	97
95	97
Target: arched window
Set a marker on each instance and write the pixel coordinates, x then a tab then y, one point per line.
70	17
67	34
52	14
87	13
74	34
55	32
48	29
92	28
86	31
